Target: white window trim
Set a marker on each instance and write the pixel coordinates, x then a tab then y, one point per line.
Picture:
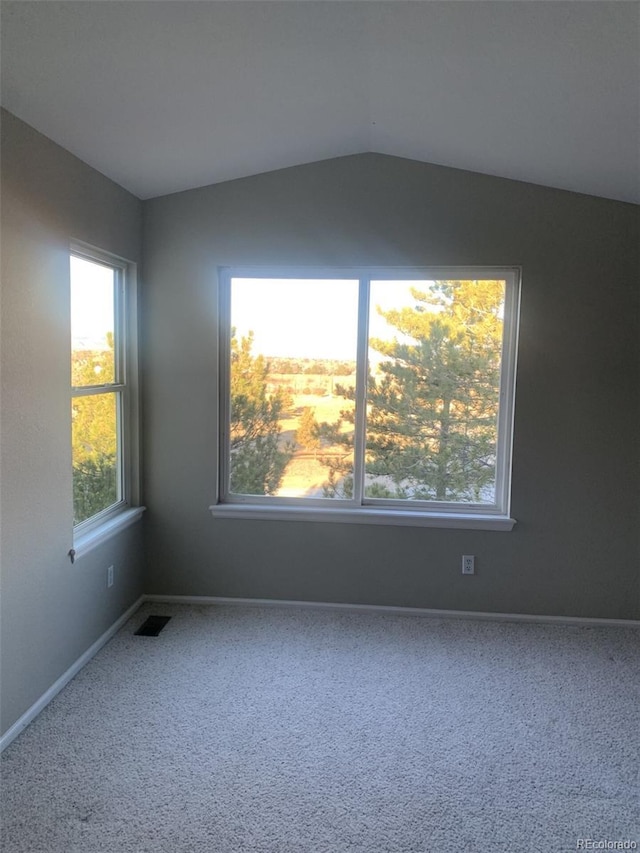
371	511
364	515
90	539
93	531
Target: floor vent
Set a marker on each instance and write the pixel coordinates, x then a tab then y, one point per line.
152	626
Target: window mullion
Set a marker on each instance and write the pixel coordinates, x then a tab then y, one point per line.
361	390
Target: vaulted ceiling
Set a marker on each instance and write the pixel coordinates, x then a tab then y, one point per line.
165	96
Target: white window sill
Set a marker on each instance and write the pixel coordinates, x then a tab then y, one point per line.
365	515
92	538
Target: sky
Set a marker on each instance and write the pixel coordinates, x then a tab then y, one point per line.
92	308
296	318
312	318
299	318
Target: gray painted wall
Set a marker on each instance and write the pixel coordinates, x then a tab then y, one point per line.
575	549
51	611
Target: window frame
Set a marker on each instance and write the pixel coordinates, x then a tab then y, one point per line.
361	509
93	530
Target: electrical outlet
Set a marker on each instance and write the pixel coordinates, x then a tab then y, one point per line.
110	576
468	564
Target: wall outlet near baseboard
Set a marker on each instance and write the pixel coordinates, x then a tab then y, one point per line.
468	564
110	576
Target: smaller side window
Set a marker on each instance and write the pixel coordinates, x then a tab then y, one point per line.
101	394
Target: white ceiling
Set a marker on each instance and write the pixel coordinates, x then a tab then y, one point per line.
165	96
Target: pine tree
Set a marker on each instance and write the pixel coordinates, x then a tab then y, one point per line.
258	458
307	434
432	403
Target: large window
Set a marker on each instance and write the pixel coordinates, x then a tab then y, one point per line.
101	395
380	394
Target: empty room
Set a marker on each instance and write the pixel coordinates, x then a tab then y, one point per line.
320	426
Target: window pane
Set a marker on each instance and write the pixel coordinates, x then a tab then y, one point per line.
96	480
92	323
293	371
433	390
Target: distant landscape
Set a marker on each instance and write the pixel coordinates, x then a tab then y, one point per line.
312	387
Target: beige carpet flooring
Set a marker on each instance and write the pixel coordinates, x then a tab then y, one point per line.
276	730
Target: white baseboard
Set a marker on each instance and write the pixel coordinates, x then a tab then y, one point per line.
404	611
29	715
64	679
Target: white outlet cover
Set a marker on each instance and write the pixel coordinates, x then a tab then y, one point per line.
468	564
